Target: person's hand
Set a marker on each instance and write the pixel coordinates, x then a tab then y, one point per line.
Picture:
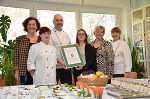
32	72
126	74
79	67
62	63
17	77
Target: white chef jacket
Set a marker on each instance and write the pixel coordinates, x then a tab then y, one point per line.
122	61
59	38
42	58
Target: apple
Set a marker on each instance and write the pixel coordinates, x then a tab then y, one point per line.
99	76
94	76
99	73
104	76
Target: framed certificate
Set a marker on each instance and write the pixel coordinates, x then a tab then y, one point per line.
72	55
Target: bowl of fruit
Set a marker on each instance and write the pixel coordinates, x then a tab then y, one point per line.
97	79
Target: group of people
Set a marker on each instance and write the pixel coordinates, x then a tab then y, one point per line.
38	59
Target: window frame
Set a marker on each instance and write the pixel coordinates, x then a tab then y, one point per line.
78	9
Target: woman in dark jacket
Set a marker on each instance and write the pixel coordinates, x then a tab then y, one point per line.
31	26
81	40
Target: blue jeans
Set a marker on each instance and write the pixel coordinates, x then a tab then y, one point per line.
23	80
26	80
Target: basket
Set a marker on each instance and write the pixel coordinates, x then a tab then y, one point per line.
94	81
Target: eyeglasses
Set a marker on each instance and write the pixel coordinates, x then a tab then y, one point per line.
81	34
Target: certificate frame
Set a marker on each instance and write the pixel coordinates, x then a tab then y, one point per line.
66	53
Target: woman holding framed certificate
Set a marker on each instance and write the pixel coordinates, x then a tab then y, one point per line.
81	40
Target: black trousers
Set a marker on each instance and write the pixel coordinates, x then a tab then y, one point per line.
29	79
76	74
26	80
118	75
64	76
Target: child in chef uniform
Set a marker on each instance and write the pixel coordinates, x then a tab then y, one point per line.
42	60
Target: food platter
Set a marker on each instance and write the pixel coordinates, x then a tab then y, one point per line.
123	93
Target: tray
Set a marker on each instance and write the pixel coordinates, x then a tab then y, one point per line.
122	93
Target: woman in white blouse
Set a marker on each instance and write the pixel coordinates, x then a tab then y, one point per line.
122	61
42	60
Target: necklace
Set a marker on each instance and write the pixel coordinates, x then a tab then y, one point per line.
116	47
58	38
82	46
97	44
30	36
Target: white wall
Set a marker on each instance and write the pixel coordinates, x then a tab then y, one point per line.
121	8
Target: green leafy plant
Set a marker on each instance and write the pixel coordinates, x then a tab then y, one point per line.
90	38
6	52
4	26
137	65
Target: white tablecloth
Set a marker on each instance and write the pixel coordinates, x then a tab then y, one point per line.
30	92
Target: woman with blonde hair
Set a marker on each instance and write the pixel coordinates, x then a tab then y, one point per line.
101	53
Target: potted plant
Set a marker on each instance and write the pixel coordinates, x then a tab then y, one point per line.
138	70
137	65
6	52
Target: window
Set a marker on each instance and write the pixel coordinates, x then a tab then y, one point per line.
46	19
17	16
91	20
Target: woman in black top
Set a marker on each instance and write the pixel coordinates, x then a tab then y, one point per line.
81	40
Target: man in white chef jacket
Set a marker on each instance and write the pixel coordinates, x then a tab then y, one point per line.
59	38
